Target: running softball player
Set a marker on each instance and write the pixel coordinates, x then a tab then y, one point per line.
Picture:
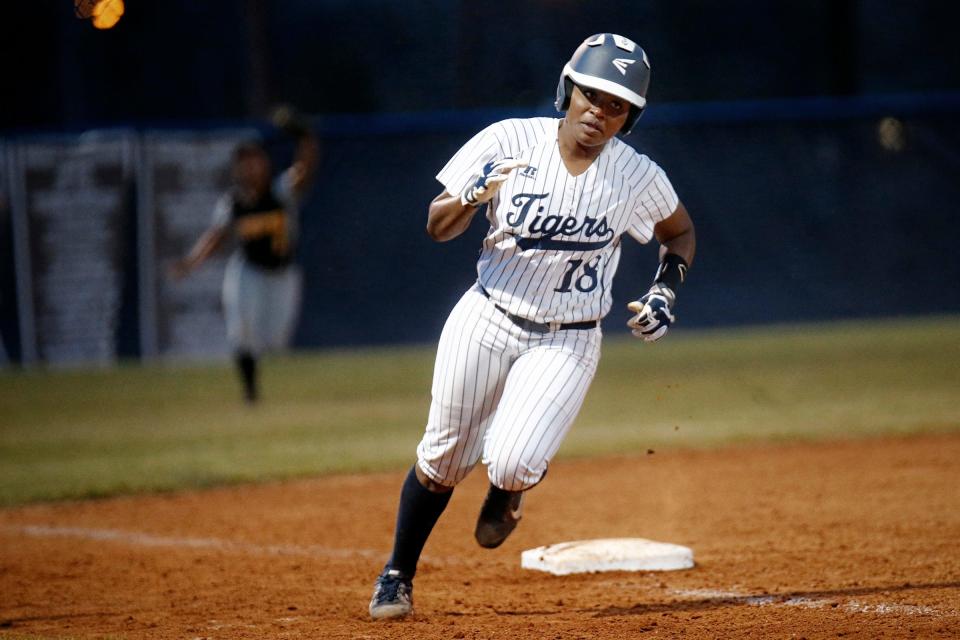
520	349
261	285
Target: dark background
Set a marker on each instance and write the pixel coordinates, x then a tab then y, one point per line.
187	60
773	120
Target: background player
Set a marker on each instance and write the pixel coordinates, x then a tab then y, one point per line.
520	348
261	285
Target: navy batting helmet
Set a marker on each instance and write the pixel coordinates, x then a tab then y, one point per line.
611	63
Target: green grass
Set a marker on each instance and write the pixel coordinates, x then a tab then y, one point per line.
73	433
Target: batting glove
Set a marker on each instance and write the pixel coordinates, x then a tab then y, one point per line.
488	183
654	313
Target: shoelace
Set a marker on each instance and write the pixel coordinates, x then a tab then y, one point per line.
390	588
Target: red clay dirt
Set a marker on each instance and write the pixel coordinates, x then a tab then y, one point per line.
845	539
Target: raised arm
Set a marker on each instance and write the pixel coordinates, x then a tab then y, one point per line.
305	163
307	154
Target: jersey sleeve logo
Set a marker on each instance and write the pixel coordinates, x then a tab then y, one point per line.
550	227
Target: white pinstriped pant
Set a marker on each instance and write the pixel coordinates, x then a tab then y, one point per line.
504	394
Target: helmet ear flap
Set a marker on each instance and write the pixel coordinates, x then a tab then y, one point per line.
632	117
567	91
564	91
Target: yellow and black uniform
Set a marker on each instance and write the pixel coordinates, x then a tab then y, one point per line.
263	229
261	286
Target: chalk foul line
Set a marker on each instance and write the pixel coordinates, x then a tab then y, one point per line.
849	606
141	539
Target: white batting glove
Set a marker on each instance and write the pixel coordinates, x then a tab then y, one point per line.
654	313
488	182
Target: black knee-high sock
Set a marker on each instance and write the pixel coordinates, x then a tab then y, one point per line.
419	511
247	365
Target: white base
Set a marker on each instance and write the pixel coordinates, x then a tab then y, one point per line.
608	554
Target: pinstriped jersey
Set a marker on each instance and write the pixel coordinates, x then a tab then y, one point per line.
553	244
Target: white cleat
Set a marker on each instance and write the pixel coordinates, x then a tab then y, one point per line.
392	596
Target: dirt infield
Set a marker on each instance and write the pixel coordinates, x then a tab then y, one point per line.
852	539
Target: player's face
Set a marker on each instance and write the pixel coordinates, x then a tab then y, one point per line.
252	172
596	116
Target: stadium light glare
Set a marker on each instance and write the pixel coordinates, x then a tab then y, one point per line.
107	13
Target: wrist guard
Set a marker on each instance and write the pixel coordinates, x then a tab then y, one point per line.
672	272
